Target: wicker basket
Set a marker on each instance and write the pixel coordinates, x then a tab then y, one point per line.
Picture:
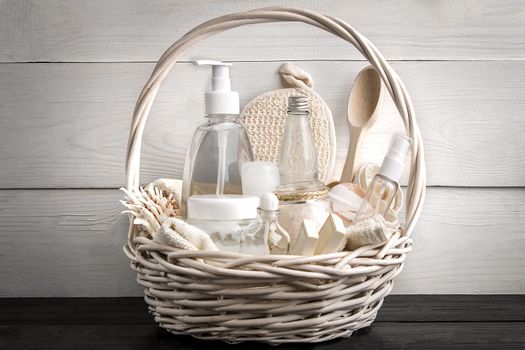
274	299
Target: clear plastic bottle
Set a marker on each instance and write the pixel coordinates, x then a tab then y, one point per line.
298	169
385	184
218	150
220	146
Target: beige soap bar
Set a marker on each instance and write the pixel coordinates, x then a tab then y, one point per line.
332	236
306	239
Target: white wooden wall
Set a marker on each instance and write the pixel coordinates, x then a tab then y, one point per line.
70	72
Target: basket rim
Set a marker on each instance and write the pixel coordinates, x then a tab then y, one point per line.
368	259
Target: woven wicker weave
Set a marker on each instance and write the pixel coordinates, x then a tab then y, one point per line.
275	299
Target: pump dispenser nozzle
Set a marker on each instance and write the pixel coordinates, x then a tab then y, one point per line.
220	99
394	161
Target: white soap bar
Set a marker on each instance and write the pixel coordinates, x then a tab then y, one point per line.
346	199
332	236
306	239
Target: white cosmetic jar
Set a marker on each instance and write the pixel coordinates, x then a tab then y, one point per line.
225	218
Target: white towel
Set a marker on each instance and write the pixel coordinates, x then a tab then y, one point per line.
179	234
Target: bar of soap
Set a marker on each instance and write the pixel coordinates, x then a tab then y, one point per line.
332	236
346	199
306	239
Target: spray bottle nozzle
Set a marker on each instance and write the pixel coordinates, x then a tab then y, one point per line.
220	100
394	161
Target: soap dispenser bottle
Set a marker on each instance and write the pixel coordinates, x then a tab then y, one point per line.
220	146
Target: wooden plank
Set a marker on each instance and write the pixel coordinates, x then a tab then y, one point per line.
453	308
381	335
126	30
64	243
66	125
439	335
463	237
96	311
68	243
396	308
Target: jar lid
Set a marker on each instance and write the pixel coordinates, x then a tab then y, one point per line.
223	207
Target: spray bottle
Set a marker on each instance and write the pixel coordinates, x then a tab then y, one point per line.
385	184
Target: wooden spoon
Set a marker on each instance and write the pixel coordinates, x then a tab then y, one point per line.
363	108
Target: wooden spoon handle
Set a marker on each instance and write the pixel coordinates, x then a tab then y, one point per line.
353	149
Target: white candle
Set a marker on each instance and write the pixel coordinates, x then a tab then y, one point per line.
259	177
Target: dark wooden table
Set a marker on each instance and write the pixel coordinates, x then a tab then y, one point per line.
404	322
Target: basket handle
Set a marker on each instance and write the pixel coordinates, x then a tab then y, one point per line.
417	179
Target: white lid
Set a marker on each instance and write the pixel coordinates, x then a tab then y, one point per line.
223	207
269	202
396	157
220	100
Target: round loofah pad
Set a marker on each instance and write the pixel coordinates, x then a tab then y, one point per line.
264	118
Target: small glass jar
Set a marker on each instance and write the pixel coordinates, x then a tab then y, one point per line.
226	219
292	214
255	239
269	236
226	234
